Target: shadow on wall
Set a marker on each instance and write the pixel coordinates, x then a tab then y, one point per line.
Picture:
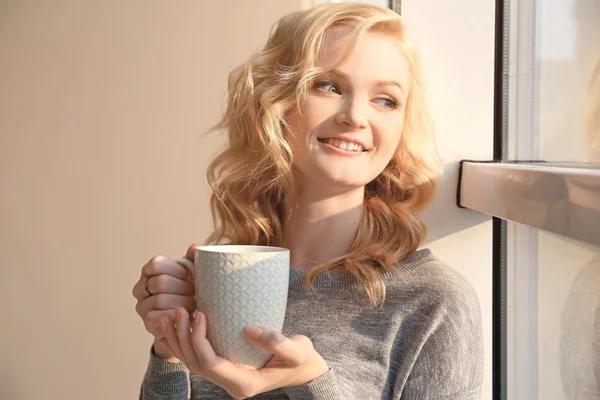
443	216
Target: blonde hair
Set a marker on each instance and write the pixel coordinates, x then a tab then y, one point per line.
251	176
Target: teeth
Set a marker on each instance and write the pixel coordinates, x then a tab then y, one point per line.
342	144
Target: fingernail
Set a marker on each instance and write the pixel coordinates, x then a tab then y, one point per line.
162	326
178	312
254	331
196	317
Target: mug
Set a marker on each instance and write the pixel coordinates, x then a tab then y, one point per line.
236	286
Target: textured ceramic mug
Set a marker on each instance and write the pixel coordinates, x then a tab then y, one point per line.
238	286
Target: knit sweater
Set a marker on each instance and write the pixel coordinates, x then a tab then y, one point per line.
425	342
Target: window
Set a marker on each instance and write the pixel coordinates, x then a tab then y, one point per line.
545	181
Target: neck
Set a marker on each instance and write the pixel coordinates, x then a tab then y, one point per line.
321	228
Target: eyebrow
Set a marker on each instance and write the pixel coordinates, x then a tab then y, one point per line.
378	83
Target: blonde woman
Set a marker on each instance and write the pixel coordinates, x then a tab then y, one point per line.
331	154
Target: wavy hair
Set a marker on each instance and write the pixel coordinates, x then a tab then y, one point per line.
251	176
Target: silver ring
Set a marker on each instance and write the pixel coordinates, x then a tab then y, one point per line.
146	288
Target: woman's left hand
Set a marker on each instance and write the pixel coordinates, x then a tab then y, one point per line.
294	362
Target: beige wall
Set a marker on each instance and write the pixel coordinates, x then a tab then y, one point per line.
457	46
102	109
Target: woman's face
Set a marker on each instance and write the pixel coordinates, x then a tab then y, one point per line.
349	124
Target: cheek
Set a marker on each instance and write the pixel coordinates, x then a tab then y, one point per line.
389	136
296	137
384	158
318	112
304	125
294	133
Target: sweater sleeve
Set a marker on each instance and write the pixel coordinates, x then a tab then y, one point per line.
324	387
449	364
165	380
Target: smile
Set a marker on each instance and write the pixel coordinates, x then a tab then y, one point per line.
343	145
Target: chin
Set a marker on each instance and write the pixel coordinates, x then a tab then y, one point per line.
343	181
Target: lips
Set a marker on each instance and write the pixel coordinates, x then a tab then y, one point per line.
343	145
345	142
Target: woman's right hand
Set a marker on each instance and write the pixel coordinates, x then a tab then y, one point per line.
163	286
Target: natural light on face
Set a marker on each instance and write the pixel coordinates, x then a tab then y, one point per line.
349	124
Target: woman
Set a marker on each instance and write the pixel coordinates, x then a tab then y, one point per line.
331	154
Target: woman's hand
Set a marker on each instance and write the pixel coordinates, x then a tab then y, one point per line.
163	286
295	361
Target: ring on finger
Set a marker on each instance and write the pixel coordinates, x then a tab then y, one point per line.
148	292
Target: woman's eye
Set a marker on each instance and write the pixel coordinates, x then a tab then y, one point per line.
328	87
388	103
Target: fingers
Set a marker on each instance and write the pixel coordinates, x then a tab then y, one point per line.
202	347
292	350
173	340
139	289
152	321
191	251
194	350
183	335
159	265
153	285
182	329
217	369
163	285
165	301
168	284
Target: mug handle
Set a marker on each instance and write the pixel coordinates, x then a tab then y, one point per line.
188	264
190	267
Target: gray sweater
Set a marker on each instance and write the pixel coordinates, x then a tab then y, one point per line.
425	342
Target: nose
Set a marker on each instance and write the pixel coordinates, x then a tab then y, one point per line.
351	115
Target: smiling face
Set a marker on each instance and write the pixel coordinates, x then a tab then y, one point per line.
350	122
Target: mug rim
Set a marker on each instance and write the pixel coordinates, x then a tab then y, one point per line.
241	248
